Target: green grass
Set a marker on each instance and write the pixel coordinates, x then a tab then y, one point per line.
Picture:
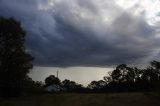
116	99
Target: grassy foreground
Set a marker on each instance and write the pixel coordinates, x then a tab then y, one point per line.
119	99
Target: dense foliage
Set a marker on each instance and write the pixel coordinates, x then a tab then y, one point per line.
15	62
125	78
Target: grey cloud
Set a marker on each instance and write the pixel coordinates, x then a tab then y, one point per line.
82	33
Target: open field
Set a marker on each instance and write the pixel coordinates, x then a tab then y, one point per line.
116	99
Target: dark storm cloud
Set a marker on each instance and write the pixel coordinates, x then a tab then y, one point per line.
82	33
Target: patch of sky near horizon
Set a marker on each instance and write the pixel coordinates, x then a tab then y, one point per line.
81	75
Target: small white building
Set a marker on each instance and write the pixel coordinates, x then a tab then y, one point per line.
53	88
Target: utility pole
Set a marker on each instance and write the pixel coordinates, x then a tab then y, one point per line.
57	73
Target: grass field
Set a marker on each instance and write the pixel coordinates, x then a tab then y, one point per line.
116	99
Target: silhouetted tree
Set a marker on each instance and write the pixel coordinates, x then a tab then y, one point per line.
123	73
15	62
156	67
52	80
33	87
155	64
97	85
107	79
72	86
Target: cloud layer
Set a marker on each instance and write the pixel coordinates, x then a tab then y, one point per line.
87	33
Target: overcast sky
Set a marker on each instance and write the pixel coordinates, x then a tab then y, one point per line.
88	32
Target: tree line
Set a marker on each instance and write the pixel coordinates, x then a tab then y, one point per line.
125	78
15	64
122	79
